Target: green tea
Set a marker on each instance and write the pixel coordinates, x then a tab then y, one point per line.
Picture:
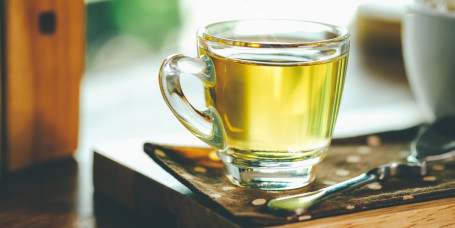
277	111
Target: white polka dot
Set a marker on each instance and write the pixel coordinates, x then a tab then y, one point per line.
187	176
363	149
330	182
373	140
215	195
342	172
304	217
350	207
160	153
258	202
374	186
227	188
408	197
200	169
353	159
429	178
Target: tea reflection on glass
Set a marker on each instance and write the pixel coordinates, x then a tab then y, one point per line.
273	89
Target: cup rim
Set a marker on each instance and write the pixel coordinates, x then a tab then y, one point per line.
204	35
420	6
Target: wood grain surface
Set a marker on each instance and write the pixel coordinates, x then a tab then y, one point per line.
44	45
149	187
436	213
59	194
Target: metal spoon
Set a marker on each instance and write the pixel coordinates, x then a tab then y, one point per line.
434	142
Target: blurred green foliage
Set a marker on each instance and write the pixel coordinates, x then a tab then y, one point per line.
148	20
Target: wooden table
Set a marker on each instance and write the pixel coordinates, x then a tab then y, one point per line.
60	195
128	176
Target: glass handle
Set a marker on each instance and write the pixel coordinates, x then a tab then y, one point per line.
206	125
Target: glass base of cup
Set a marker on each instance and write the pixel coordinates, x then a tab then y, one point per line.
268	174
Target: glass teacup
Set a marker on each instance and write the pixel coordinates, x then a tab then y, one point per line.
272	88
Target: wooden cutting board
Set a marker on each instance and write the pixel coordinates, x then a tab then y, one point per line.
124	173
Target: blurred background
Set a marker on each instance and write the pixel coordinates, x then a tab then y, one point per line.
120	99
127	41
122	31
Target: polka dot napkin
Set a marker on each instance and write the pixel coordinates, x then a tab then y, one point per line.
201	170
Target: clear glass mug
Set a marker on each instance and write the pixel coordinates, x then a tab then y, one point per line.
272	89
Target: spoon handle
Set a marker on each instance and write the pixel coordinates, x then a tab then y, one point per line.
299	204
